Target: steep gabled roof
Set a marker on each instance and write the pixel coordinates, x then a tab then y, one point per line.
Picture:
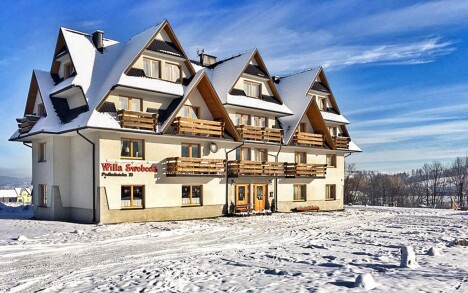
294	90
215	106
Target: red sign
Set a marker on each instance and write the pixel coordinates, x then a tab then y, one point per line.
118	169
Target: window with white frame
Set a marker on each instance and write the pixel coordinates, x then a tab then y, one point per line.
252	89
172	72
152	68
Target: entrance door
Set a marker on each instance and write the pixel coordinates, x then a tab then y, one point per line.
242	194
260	193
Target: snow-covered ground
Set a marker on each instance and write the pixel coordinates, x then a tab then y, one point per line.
314	252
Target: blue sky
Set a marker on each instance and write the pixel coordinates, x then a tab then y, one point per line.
397	68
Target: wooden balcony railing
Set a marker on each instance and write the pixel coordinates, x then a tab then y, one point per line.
194	166
258	133
138	120
341	142
199	127
26	123
308	139
254	168
305	170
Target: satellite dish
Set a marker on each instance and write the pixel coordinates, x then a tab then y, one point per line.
213	147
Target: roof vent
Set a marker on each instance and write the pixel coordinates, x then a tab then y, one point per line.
98	40
205	59
276	79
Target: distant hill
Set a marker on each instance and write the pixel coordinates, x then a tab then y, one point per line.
7	181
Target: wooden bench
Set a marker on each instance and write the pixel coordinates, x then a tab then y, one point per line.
307	209
242	208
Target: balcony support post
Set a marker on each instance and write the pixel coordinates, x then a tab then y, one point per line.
226	175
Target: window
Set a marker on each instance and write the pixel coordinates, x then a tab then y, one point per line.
242	119
252	89
302	127
41	110
190	112
322	103
152	68
172	72
68	70
131	104
331	161
300	192
259	121
333	130
331	192
301	157
191	194
132	148
260	155
243	154
42	152
42	195
131	196
190	150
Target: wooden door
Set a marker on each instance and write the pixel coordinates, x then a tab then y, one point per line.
242	194
260	196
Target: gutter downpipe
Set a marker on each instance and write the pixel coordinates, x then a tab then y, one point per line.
26	144
94	173
226	175
275	198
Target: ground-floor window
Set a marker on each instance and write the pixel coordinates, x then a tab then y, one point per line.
191	194
331	191
42	195
300	192
132	196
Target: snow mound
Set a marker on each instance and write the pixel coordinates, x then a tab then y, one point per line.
461	242
276	272
433	251
365	281
20	238
78	232
408	257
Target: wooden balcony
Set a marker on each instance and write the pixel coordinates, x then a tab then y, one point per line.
258	133
341	142
198	127
305	170
180	166
254	168
138	120
308	139
26	123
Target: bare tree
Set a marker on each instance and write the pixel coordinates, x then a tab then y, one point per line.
459	177
352	183
436	172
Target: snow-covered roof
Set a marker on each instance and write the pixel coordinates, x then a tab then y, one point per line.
293	90
8	193
329	116
354	147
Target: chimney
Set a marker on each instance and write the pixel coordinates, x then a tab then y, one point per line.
98	40
205	59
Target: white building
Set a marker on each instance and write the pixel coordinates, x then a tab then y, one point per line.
137	132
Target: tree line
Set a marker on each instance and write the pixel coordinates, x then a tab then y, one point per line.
432	185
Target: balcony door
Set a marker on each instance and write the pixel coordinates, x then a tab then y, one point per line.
242	194
260	193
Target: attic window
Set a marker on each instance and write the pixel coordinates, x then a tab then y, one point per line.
152	68
173	72
252	89
68	70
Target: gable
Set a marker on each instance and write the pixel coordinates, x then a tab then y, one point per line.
163	45
201	90
255	72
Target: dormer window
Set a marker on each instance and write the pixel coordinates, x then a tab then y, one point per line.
131	104
252	89
68	70
322	103
152	68
190	112
173	72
